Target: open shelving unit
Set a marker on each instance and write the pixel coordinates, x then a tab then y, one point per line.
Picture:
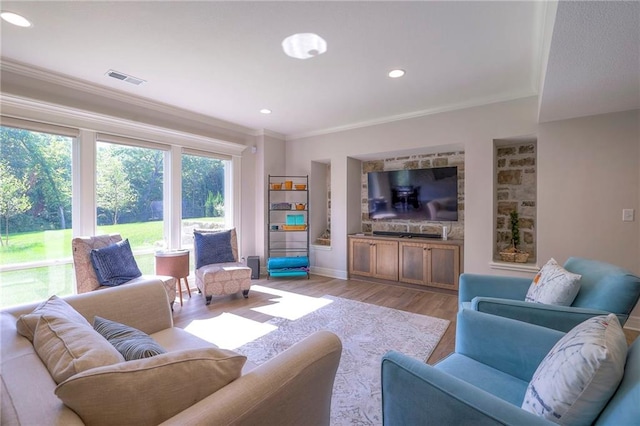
288	226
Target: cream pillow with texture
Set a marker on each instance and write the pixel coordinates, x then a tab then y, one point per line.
68	348
580	374
27	323
149	391
554	285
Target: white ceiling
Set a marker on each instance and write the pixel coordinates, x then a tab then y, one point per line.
224	59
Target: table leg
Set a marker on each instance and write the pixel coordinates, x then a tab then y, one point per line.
187	284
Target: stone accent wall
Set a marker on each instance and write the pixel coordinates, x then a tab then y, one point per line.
422	161
516	190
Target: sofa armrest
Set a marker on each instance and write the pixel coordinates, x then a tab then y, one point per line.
293	388
414	393
514	347
473	285
562	318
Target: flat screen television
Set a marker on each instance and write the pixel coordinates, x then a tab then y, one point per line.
418	194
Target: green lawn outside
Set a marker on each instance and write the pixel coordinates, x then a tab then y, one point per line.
35	284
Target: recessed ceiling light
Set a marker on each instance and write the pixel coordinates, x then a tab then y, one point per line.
396	73
304	45
265	111
15	19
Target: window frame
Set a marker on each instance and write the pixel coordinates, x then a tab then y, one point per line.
87	128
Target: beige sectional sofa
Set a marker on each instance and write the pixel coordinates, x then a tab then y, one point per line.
193	383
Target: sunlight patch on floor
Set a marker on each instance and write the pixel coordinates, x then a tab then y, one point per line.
288	305
229	331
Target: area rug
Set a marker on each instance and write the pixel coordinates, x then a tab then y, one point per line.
367	332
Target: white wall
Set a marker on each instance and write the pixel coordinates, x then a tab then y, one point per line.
587	173
472	130
270	160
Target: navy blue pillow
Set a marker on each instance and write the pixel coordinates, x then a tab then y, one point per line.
115	264
213	247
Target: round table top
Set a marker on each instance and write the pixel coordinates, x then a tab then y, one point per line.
171	253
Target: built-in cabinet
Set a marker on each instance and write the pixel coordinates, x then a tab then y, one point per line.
373	258
431	263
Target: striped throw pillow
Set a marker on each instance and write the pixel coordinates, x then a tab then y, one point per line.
130	342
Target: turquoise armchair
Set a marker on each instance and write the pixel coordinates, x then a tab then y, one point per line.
604	289
484	381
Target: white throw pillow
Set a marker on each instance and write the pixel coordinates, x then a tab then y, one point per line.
554	285
578	376
26	324
68	348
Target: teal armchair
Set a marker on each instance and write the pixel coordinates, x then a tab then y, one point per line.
484	381
604	288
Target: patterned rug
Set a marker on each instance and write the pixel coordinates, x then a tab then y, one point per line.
367	332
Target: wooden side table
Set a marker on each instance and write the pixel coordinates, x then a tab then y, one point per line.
174	263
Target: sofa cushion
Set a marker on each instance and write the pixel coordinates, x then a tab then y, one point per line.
580	373
115	264
553	285
213	247
149	390
68	348
26	324
130	342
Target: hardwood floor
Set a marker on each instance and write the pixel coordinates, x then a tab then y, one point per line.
432	303
417	301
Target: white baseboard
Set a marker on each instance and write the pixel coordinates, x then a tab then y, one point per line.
633	323
331	273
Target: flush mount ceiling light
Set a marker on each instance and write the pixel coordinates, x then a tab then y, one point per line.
304	45
265	111
15	19
396	73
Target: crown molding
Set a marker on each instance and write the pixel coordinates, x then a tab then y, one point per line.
110	93
270	133
29	109
417	114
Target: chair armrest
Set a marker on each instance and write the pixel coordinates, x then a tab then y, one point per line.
514	347
293	388
473	285
414	393
562	318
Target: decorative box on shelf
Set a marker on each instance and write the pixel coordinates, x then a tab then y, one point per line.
280	206
294	227
517	257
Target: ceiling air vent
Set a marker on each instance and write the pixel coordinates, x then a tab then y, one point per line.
124	77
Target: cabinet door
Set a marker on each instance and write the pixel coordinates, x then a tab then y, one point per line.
443	266
413	263
385	260
361	259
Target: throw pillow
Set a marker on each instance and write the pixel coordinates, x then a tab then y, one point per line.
580	373
26	324
68	348
130	342
115	264
554	285
150	390
213	247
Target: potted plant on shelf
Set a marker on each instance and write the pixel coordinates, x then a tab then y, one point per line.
513	253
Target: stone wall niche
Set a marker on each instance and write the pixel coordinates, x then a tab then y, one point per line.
515	162
409	162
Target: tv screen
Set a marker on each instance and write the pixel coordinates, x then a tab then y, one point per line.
419	194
